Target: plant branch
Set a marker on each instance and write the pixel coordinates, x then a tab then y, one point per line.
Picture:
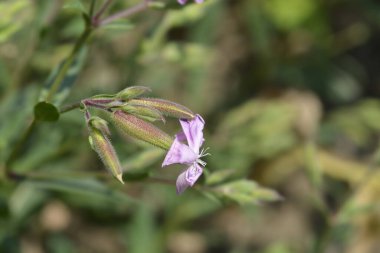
69	107
126	13
96	17
63	70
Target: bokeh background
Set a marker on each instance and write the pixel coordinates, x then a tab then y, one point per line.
290	94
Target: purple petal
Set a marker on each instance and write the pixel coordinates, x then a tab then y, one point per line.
193	131
179	153
182	1
188	178
199	1
182	183
181	137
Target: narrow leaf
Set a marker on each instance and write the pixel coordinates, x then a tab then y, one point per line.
74	5
246	192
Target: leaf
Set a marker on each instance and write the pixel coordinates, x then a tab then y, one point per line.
15	110
246	192
139	162
68	81
44	111
24	200
84	187
74	5
14	16
220	176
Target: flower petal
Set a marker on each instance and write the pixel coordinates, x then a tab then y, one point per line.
181	137
199	1
182	1
182	183
179	153
188	178
193	173
193	131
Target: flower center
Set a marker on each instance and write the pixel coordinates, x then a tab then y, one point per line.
202	154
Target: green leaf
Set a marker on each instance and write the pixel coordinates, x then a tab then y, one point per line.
74	5
246	192
84	187
44	111
220	176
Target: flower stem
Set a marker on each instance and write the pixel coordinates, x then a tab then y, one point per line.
126	13
69	107
63	71
96	17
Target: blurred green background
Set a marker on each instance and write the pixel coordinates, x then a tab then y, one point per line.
289	91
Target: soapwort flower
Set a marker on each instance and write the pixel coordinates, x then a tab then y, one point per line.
192	133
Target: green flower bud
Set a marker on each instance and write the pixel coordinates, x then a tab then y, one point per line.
166	107
130	125
144	112
132	92
100	124
103	147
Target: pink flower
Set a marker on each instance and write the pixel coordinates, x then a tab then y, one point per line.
188	154
184	1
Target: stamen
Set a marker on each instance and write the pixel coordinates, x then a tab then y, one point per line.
203	163
203	152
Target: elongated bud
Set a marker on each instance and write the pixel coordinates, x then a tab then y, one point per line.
100	124
130	125
132	92
103	147
166	107
144	112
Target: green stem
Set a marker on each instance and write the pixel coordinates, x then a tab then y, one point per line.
53	89
126	13
69	107
63	70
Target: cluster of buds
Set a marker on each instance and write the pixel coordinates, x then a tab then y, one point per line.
132	115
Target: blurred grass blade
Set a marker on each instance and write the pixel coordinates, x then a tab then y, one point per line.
74	5
246	192
83	187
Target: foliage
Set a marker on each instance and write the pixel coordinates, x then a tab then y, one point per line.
289	93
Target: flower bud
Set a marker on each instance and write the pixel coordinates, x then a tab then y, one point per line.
168	108
132	92
130	125
103	147
144	112
100	124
